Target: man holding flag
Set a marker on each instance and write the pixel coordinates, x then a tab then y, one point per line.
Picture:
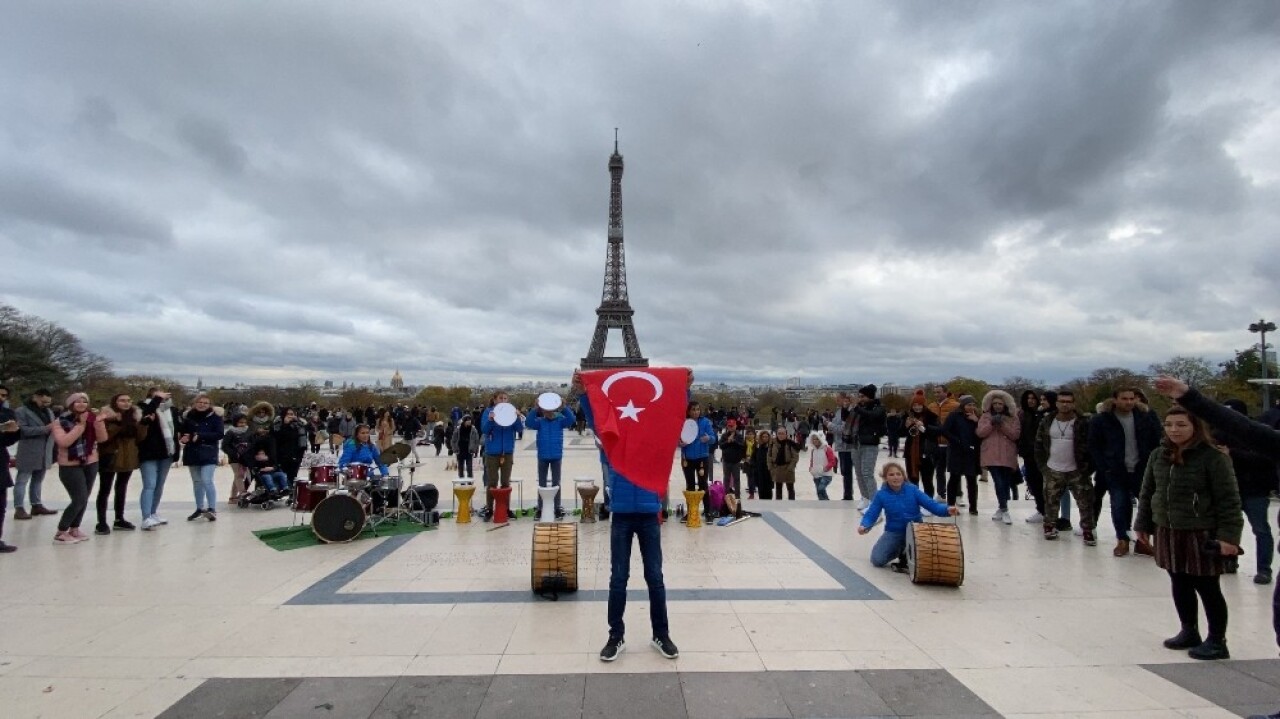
636	414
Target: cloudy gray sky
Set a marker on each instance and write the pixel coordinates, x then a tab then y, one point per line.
832	190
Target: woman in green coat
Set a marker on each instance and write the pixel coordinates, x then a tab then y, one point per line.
1189	500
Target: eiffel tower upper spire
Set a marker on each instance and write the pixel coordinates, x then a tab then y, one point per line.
615	306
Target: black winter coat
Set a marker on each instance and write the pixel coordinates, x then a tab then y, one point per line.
205	432
962	442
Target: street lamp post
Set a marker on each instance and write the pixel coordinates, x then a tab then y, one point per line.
1262	327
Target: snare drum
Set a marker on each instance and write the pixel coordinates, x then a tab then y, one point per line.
324	477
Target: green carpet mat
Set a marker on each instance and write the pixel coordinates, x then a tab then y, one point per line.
282	539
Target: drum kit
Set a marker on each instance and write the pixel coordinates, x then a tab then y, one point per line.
343	503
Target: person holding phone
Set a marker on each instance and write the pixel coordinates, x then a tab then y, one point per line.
157	452
200	436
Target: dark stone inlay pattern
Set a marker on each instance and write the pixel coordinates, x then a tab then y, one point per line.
345	698
1242	687
239	698
853	586
633	696
691	695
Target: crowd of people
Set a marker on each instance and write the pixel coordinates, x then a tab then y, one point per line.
1179	490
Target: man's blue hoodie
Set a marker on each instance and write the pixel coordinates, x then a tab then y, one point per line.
699	449
551	432
498	439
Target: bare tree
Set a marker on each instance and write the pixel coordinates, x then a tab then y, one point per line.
1195	371
36	352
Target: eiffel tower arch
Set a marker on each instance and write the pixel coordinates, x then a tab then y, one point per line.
615	310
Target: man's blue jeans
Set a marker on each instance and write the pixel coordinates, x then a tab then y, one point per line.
34	479
888	547
865	466
646	529
154	472
554	466
1256	509
1122	491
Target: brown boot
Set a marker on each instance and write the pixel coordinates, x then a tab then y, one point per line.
21	513
39	510
1144	548
1122	548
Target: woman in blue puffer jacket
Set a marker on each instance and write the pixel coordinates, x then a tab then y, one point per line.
901	502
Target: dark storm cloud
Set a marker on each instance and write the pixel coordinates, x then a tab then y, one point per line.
895	191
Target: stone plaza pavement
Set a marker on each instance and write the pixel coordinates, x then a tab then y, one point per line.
777	616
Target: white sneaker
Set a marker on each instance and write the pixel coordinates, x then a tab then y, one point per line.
149	524
863	504
1078	532
997	516
159	519
1036	518
1005	517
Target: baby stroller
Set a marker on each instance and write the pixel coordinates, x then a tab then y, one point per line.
260	496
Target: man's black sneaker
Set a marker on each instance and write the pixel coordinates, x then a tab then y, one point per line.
195	515
7	548
211	515
666	647
124	525
1063	525
612	649
102	528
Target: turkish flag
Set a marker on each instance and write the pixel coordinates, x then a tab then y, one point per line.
638	414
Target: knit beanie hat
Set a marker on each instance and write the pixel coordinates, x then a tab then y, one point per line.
869	391
967	399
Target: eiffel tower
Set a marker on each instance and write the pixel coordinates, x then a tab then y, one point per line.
615	308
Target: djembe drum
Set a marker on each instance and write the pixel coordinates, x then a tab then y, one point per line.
588	493
501	504
555	557
693	503
547	498
462	493
935	554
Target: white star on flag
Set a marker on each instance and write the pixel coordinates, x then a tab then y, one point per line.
631	411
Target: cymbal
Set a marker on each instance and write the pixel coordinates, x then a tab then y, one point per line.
395	453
